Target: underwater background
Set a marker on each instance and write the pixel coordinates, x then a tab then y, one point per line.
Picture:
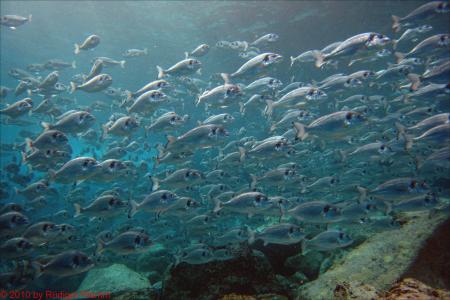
196	244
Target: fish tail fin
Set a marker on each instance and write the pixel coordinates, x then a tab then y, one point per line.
73	87
155	182
74	64
241	108
251	235
408	142
254	180
245	46
77	49
303	247
38	269
122	63
16	192
419	163
28	144
51	174
217	205
24	157
170	140
415	81
77	210
161	72
104	132
198	100
342	155
400	56
225	77
100	247
45	125
292	61
301	132
320	59
394	44
133	208
130	95
30	17
401	129
241	154
388	208
273	127
145	51
396	23
269	108
362	193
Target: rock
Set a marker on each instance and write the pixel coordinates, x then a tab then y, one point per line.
249	274
116	279
381	260
413	289
432	264
308	264
299	278
154	260
356	291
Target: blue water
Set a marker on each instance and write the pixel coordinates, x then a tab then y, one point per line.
168	29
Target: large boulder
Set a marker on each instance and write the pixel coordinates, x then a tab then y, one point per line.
380	261
248	274
117	280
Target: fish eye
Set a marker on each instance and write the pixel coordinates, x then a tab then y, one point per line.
413	183
349	116
164	196
291	230
112	201
204	253
341	235
326	208
258	198
206	219
286	172
137	240
112	164
429	109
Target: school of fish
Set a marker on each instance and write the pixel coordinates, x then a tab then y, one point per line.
170	165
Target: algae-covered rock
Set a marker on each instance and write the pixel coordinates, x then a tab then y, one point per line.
410	288
380	261
115	279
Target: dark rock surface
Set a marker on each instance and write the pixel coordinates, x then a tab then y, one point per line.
249	274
